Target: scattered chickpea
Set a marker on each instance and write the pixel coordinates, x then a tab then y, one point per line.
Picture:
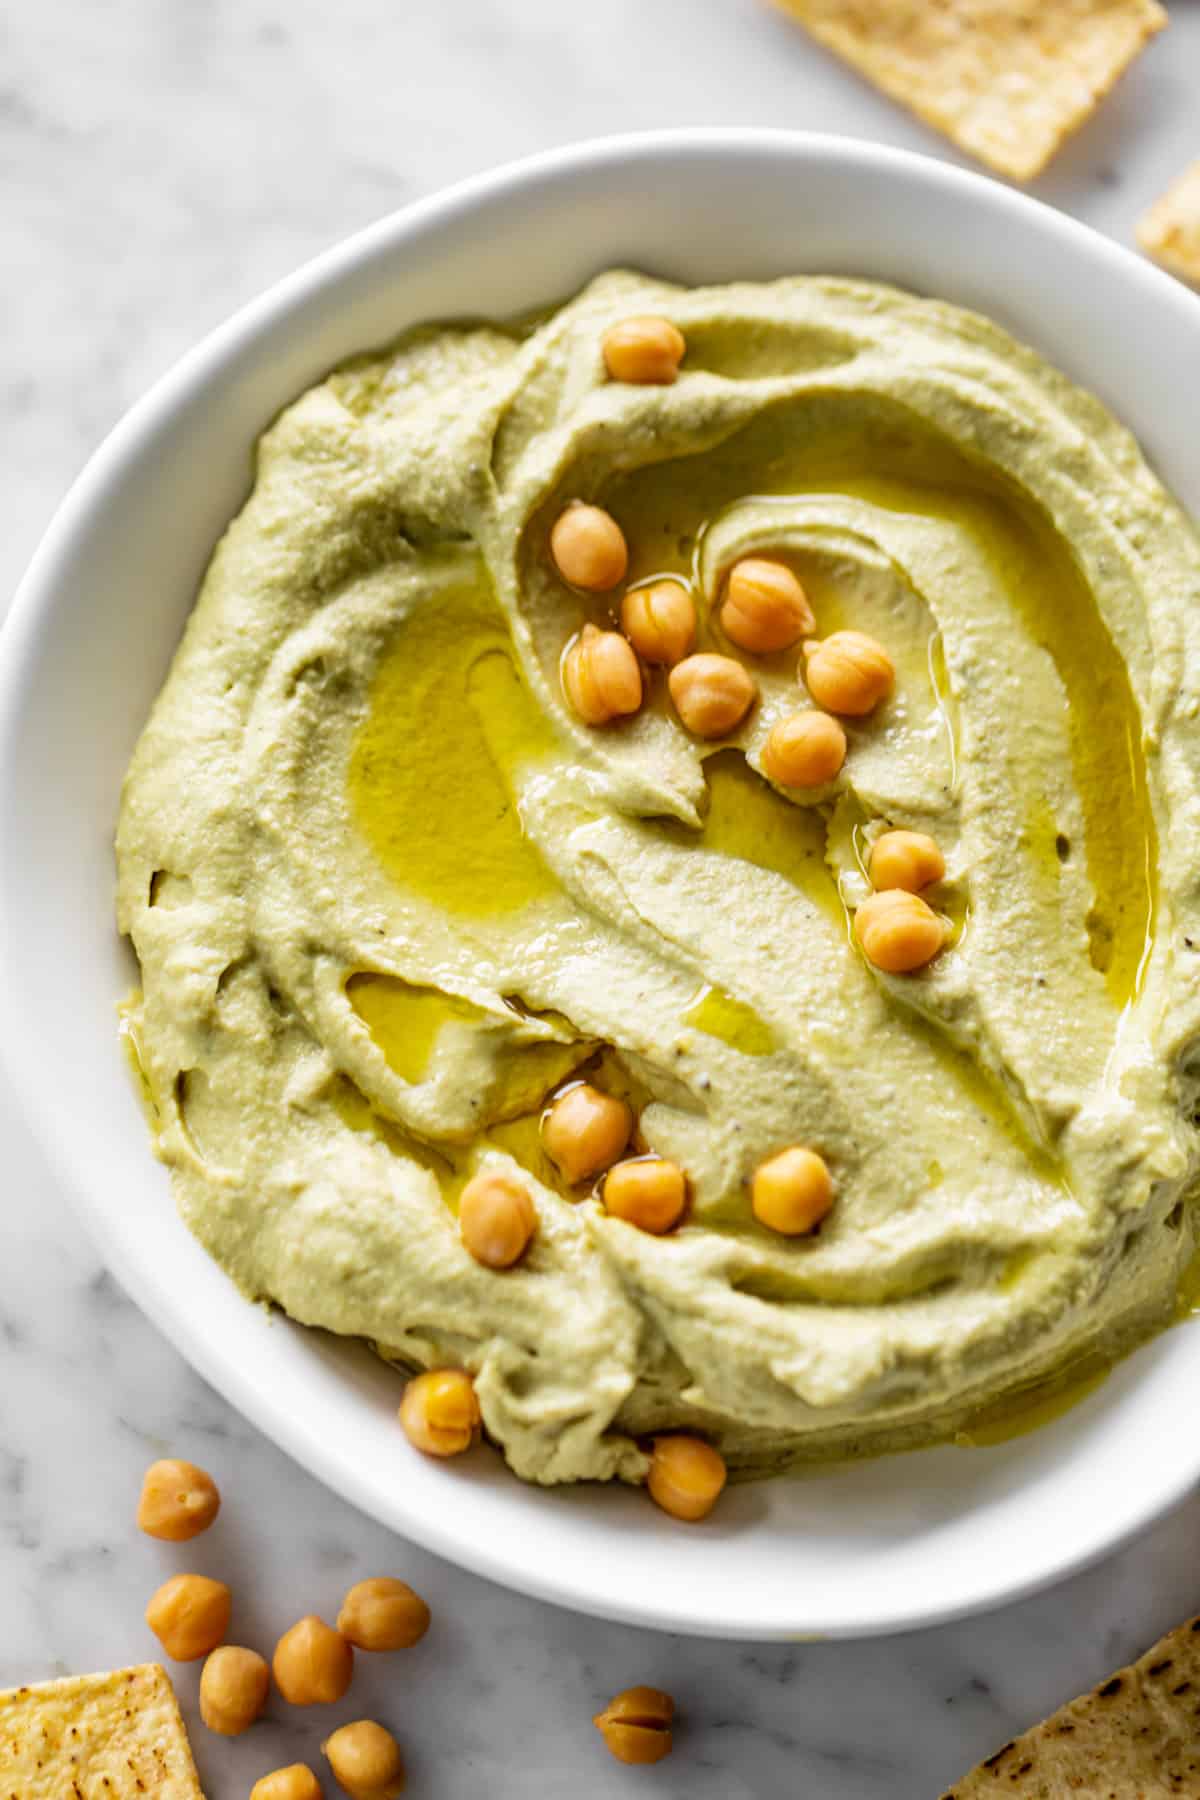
898	932
366	1761
660	621
848	673
234	1684
686	1476
647	1191
496	1218
636	1725
600	676
792	1192
765	607
296	1782
588	547
584	1131
646	351
805	750
906	859
313	1664
712	694
440	1412
189	1615
178	1501
382	1614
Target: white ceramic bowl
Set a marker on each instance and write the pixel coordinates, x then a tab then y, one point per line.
862	1549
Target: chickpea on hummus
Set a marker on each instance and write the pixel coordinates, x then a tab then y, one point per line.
666	874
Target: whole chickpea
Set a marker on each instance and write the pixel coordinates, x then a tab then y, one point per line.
588	547
660	621
636	1725
496	1219
848	672
234	1684
898	932
178	1501
647	1191
686	1476
805	750
189	1615
296	1782
366	1761
792	1191
600	676
313	1664
906	859
585	1131
382	1614
644	350
712	694
765	607
440	1412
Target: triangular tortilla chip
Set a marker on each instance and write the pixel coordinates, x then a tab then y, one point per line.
96	1737
1170	231
1136	1737
1007	80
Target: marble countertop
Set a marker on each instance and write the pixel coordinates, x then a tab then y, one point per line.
160	162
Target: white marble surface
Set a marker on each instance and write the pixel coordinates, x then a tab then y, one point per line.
160	161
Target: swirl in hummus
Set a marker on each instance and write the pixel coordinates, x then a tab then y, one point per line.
388	893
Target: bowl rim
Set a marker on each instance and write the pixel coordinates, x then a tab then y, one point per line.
245	330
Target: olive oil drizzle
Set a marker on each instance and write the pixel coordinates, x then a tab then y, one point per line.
720	1014
1187	1294
666	510
449	728
1028	1409
406	1020
747	821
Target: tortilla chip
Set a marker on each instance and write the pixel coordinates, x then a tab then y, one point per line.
96	1737
1137	1737
1170	231
1007	80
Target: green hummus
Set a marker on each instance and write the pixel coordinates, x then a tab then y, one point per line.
387	893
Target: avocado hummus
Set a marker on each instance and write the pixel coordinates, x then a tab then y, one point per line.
388	893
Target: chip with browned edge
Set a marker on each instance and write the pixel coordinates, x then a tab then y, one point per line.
1007	80
1136	1737
96	1737
1170	231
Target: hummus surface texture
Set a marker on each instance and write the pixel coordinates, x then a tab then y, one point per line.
388	894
